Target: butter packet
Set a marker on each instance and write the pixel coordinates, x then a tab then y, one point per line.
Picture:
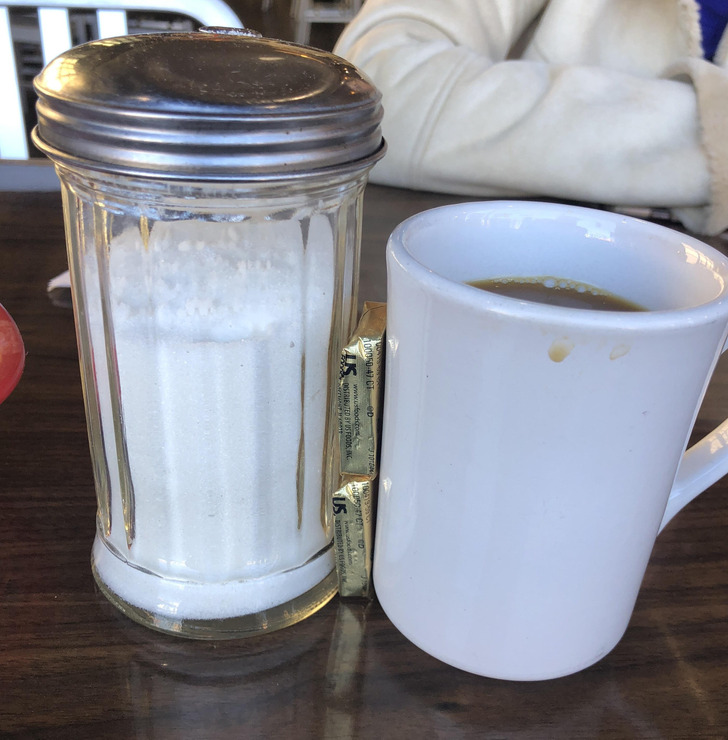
353	505
360	393
360	396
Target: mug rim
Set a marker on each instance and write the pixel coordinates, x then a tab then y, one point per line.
477	298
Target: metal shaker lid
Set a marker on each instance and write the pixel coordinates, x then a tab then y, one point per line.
220	104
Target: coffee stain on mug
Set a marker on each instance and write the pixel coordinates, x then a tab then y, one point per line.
619	351
560	349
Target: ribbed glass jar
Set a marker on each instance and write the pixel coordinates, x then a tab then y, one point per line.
210	312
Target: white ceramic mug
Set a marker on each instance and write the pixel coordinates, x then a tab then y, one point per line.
530	452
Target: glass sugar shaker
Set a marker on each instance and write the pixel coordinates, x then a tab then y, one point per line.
212	186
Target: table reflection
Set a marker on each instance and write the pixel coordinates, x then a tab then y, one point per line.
266	684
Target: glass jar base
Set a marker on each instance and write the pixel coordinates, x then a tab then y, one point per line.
225	617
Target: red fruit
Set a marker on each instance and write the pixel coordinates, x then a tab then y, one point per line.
12	354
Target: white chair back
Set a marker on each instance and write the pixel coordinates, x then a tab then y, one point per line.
55	38
306	12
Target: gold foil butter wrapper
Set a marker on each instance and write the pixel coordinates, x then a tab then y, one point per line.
360	393
354	535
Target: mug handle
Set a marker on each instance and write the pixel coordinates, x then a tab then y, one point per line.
702	465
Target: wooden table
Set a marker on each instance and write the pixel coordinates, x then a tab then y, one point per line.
72	666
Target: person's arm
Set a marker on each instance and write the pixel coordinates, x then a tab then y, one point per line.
462	117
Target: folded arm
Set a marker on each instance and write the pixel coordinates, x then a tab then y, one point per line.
461	116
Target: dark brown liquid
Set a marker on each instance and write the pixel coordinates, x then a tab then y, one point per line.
557	292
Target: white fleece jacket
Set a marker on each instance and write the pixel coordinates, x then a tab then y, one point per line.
608	101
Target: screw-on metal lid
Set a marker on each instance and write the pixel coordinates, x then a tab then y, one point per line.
220	104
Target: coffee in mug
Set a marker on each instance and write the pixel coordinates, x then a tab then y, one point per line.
557	292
